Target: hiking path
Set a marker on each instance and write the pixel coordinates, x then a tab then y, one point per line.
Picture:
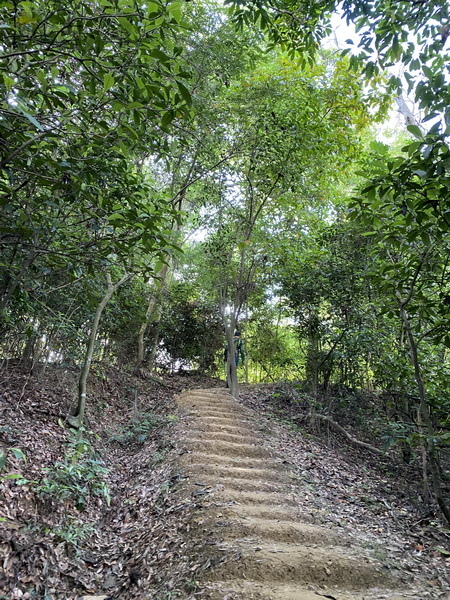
248	520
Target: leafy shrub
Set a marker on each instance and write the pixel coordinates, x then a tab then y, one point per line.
139	427
79	476
5	455
73	531
17	452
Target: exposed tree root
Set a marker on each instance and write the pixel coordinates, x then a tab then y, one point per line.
345	433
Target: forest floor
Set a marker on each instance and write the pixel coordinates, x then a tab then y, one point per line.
209	499
285	518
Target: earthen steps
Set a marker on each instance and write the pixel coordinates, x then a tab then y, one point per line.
275	499
274	590
269	512
212	404
294	562
280	530
224	420
270	474
217	416
231	449
220	428
272	551
238	438
241	484
225	461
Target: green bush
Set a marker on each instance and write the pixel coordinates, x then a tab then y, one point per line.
4	452
139	427
73	531
80	476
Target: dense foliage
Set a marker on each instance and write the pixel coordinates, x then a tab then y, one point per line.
172	171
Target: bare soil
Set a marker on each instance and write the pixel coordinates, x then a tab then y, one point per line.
133	549
219	500
249	521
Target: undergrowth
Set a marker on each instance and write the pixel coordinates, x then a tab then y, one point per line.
80	476
139	428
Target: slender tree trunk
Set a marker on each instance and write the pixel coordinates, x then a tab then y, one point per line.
246	360
13	284
424	455
29	352
232	380
155	338
242	285
312	364
77	419
432	454
152	309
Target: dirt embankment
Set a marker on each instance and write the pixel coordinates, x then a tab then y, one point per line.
51	547
248	519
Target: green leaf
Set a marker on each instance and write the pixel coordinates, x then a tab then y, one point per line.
427	71
108	82
435	129
134	105
8	81
160	55
117	106
18	453
416	131
116	217
168	117
153	7
32	120
128	26
141	83
42	79
158	266
185	93
175	11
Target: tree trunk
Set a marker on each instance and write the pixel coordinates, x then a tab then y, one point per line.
154	299
155	339
13	284
232	380
78	417
312	365
29	352
431	451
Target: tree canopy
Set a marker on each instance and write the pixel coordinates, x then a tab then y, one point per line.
173	171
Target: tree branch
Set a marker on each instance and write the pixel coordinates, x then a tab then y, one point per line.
345	433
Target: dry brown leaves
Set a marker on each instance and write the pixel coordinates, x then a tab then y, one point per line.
345	487
134	548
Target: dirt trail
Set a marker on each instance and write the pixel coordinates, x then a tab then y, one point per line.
248	511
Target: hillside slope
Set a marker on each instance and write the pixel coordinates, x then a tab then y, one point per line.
52	545
261	542
209	498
